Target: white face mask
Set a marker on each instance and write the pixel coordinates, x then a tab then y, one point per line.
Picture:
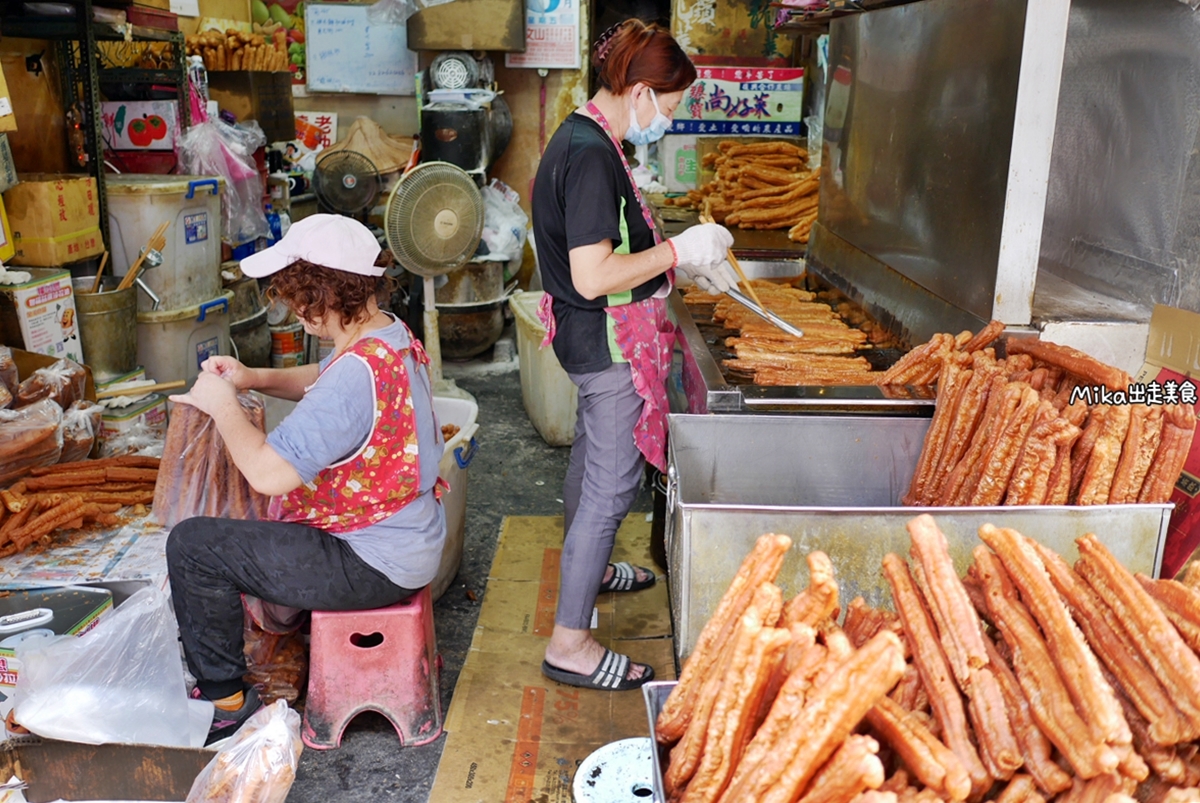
660	125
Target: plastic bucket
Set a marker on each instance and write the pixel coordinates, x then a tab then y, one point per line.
462	411
252	339
173	344
549	394
107	327
191	270
287	345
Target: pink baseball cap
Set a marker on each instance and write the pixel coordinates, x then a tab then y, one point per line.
331	241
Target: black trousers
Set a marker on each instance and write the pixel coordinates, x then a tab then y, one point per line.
212	562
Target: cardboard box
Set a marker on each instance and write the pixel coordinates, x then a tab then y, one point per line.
7	246
68	771
1173	356
142	125
680	162
75	609
513	734
8	168
262	96
40	316
55	219
8	117
160	5
27	362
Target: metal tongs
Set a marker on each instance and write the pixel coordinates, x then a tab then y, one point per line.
763	312
756	306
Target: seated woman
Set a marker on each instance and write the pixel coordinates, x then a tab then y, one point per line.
356	519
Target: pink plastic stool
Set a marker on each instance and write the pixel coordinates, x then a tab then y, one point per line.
382	660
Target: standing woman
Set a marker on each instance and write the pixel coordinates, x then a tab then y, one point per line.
607	272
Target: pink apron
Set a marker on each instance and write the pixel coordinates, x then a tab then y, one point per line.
644	333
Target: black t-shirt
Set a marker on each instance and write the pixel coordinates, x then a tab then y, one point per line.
582	196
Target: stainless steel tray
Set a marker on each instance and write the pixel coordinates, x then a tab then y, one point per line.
833	483
655	693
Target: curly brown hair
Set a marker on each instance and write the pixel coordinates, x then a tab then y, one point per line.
314	291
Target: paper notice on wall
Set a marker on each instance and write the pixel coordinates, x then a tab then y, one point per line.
551	36
186	8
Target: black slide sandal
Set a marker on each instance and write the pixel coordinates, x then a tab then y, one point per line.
609	675
624	578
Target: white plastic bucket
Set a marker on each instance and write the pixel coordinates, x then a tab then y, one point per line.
549	394
460	450
172	344
191	270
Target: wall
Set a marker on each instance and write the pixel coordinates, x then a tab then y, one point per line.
738	29
397	114
39	144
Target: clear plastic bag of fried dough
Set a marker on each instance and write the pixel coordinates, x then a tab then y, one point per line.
259	763
8	377
81	428
197	477
29	438
276	663
64	382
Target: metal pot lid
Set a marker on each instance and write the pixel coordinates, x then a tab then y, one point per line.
619	772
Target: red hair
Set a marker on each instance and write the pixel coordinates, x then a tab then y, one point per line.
636	52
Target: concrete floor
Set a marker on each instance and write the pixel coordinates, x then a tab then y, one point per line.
514	473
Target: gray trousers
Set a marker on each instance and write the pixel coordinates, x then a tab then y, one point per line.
601	485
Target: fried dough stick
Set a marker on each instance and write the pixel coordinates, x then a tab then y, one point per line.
952	384
760	566
1035	747
759	650
1134	676
962	639
1077	665
934	764
1020	790
936	674
818	602
1176	666
1050	702
1179	427
855	768
1141	442
1181	605
832	710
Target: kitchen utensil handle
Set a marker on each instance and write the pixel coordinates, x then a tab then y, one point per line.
137	391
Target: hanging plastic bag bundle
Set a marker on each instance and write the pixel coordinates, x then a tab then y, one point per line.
259	763
119	683
215	148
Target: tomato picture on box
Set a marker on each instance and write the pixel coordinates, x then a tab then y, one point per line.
149	125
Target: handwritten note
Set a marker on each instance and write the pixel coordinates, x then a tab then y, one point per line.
346	53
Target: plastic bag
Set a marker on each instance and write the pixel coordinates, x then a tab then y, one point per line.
30	437
276	662
197	477
9	382
214	148
140	439
505	225
259	763
397	12
64	382
121	682
81	427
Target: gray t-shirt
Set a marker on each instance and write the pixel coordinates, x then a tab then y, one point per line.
333	421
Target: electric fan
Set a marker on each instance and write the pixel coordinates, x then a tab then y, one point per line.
346	182
433	222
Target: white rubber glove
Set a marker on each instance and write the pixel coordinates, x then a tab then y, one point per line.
716	280
700	252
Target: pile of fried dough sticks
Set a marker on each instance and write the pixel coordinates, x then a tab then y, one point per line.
1028	680
762	185
1018	431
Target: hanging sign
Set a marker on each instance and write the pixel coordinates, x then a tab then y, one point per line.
551	36
744	101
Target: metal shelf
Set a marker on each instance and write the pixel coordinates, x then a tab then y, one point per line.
83	62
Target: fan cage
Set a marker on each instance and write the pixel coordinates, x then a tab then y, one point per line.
434	219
